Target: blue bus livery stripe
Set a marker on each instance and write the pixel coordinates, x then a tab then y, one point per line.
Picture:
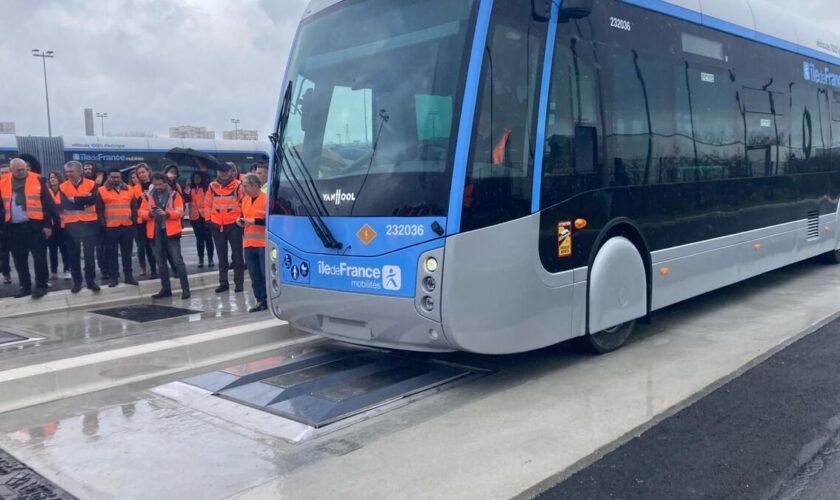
393	275
727	27
669	9
384	235
733	29
465	128
539	150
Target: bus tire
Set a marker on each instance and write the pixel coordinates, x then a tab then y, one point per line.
832	257
608	340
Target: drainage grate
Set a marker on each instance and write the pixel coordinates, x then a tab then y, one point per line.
332	385
144	313
8	338
17	481
813	225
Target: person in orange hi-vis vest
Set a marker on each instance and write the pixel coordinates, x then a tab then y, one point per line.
81	223
117	210
222	208
195	193
28	216
163	208
144	245
57	244
5	268
253	223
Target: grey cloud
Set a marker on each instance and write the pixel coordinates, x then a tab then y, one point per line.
150	64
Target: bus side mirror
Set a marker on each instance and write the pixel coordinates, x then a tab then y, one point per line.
304	104
575	9
541	9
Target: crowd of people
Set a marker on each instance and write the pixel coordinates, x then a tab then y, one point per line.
101	218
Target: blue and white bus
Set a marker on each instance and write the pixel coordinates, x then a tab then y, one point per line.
497	176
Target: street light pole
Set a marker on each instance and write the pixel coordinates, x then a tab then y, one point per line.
235	123
102	117
44	55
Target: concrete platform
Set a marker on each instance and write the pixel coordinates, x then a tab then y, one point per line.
540	417
76	352
188	251
64	300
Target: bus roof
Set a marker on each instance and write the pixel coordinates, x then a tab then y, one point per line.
316	6
758	20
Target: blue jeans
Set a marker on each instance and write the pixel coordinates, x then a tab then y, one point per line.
255	260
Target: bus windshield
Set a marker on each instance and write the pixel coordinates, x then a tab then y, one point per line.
373	91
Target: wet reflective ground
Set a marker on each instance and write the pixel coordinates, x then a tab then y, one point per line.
495	437
66	334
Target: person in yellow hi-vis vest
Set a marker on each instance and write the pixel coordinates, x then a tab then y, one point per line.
253	221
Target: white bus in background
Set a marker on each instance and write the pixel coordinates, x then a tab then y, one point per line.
125	152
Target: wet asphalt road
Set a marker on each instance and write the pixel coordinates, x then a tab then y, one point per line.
772	433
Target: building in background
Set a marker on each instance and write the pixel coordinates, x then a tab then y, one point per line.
89	122
191	132
240	135
7	128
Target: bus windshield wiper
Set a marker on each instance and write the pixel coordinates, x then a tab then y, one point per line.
384	118
306	192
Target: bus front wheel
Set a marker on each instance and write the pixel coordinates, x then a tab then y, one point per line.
610	339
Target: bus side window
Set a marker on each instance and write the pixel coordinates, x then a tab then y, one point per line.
501	160
573	130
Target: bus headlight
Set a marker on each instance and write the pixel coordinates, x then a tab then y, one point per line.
274	254
431	264
429	284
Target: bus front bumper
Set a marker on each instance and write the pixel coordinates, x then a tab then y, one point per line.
372	320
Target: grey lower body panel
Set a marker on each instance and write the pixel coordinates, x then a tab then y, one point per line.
704	266
500	299
497	298
372	320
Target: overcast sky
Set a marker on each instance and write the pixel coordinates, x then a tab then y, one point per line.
152	64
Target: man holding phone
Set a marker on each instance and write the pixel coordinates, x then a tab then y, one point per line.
163	209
